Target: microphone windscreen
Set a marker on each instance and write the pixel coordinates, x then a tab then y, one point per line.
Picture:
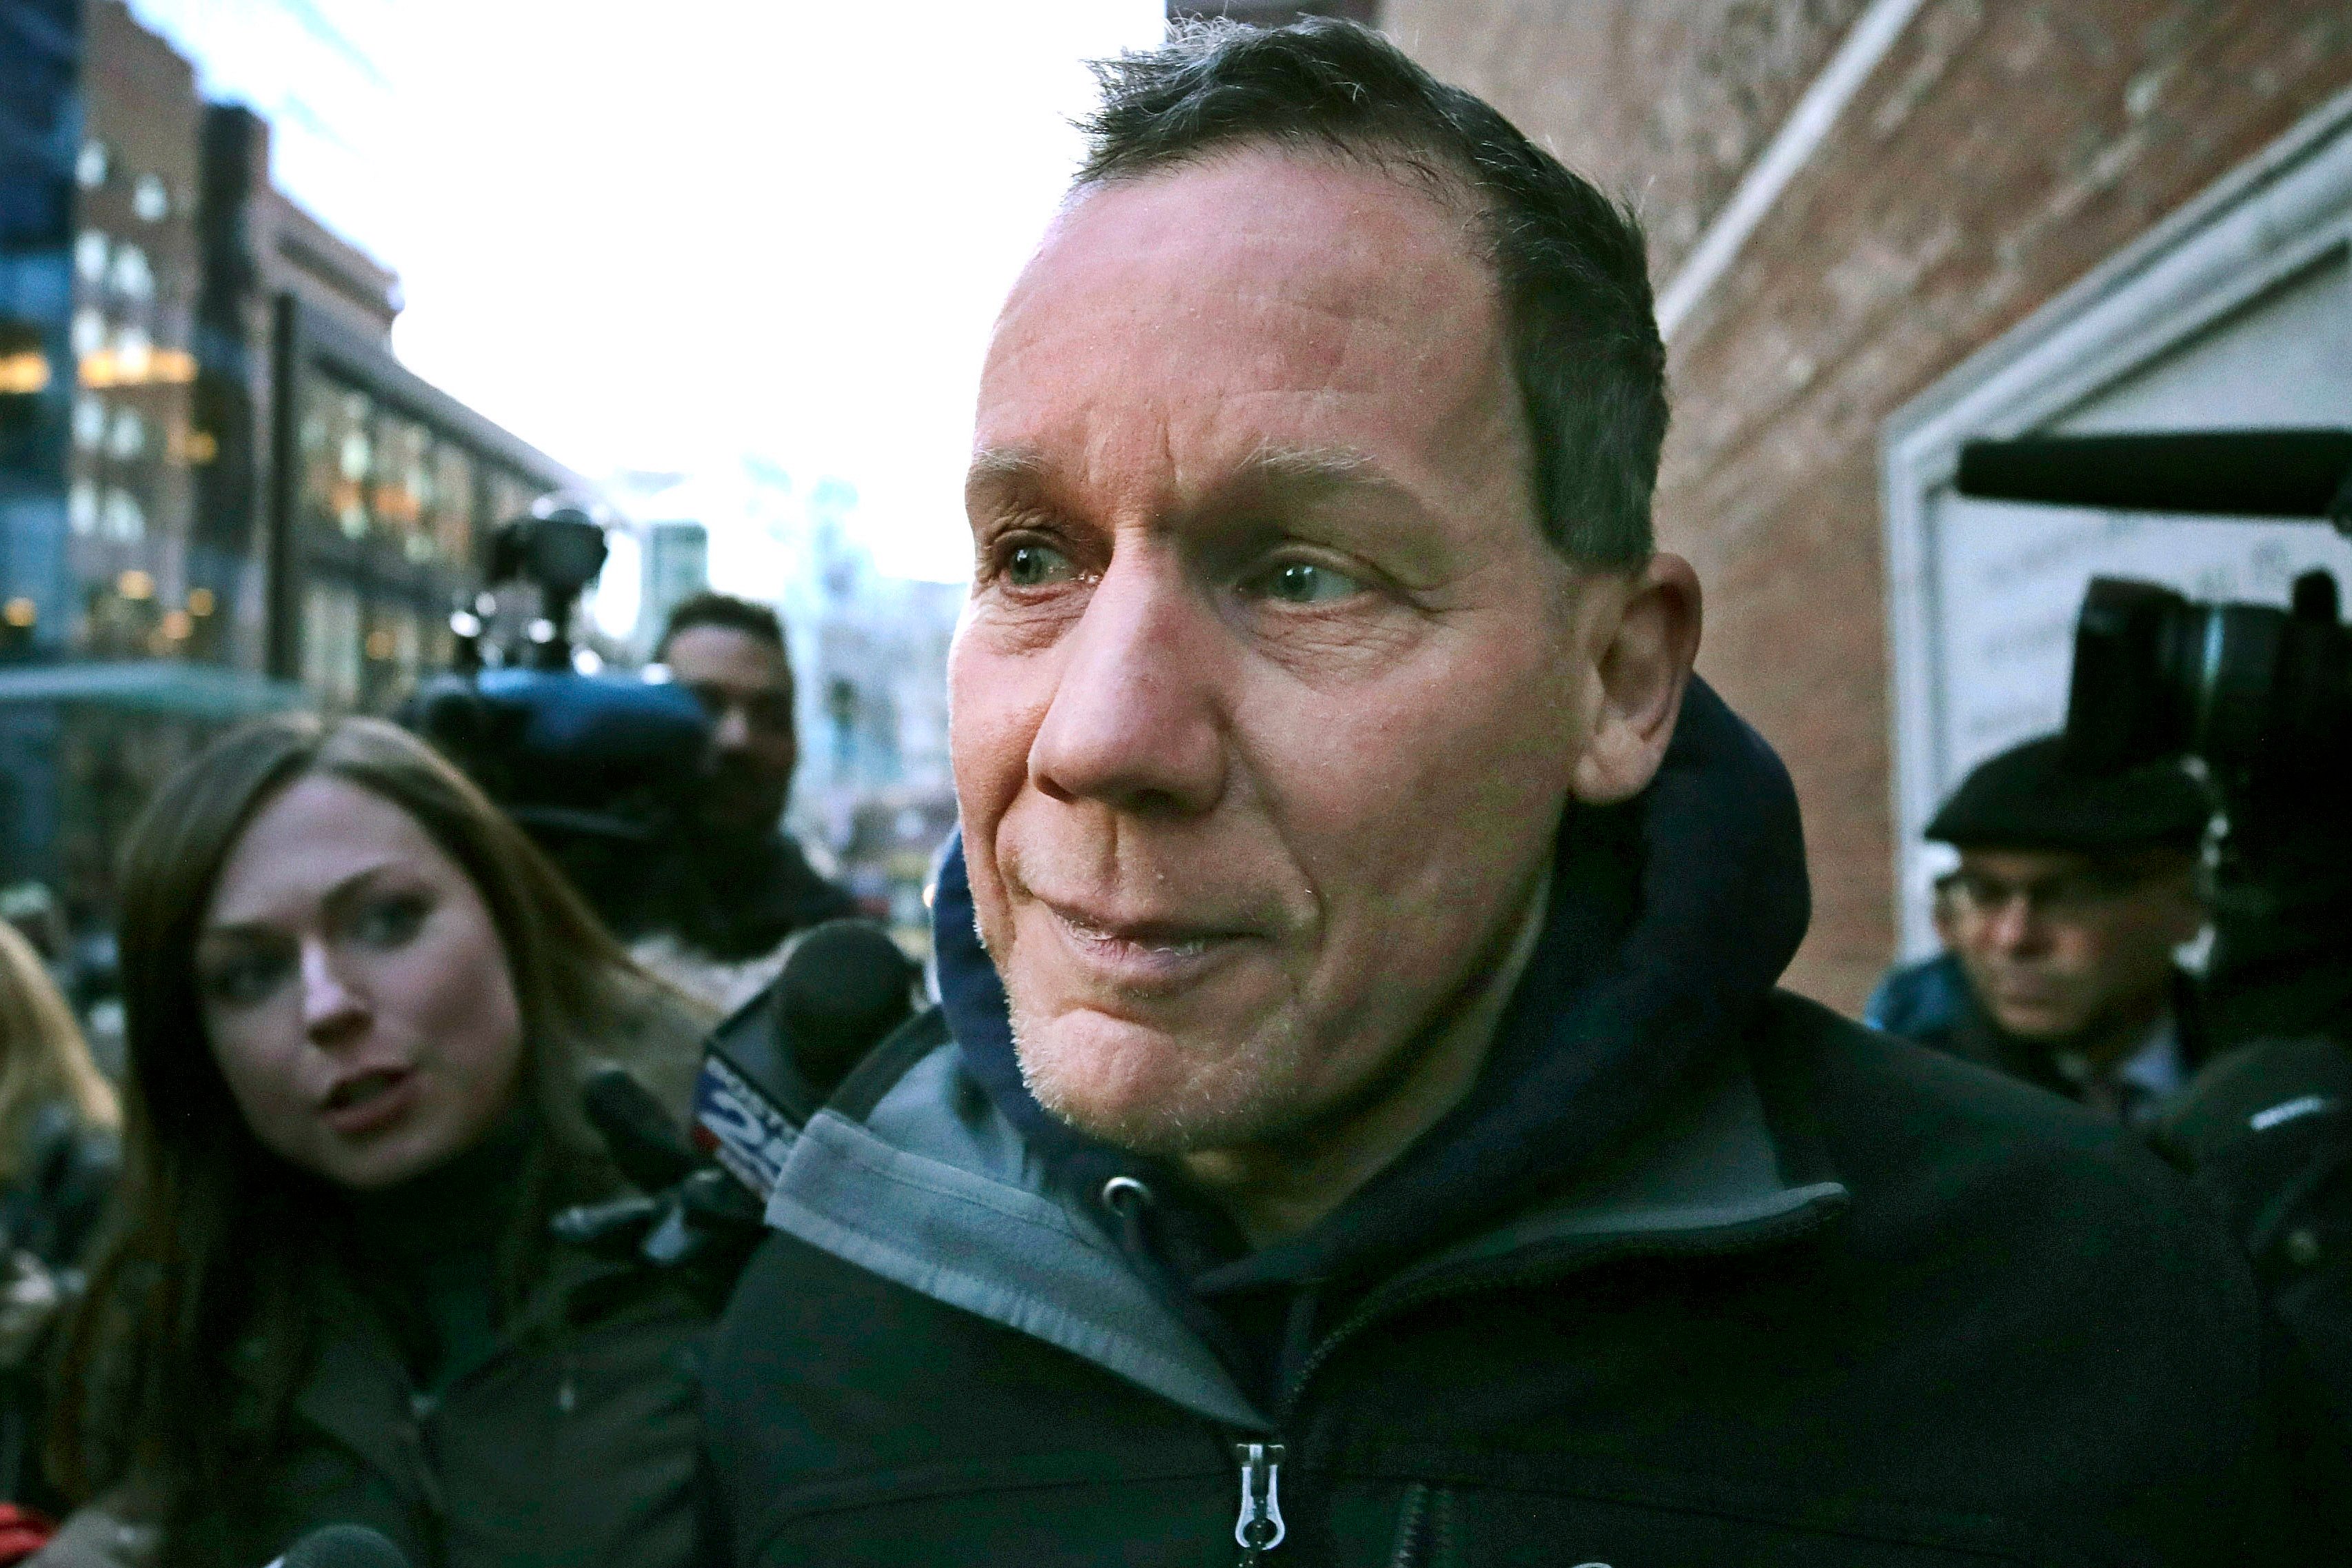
343	1546
844	984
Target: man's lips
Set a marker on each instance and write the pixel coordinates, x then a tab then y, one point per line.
1147	953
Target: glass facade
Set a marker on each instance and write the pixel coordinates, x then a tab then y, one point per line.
388	511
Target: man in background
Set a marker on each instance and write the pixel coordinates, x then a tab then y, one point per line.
742	887
2060	926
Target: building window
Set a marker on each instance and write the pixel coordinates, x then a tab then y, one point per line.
121	519
403	484
128	438
131	276
449	512
91	167
337	453
330	644
149	200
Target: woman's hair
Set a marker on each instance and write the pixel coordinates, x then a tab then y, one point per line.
42	1058
219	1243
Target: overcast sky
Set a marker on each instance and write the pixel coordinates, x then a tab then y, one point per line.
660	236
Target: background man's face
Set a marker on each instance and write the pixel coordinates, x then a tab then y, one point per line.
745	684
1262	708
2055	944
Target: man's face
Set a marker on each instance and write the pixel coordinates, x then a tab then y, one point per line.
746	686
2056	945
1269	695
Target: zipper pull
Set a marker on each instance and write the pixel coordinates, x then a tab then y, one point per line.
1259	1529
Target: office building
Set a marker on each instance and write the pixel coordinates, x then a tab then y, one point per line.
220	493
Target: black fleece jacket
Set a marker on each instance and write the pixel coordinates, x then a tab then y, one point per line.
1903	1312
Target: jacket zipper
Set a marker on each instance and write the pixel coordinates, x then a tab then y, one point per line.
1259	1528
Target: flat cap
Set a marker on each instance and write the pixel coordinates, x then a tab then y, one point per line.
2027	799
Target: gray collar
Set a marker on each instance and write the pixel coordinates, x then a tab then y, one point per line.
934	1190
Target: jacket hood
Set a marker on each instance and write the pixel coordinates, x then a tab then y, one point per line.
1671	918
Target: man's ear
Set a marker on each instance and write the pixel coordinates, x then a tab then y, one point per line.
1643	664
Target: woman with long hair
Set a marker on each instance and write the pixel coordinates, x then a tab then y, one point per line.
58	1122
358	1009
58	1114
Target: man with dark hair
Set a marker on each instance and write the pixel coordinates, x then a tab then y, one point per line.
741	887
2060	924
1360	1125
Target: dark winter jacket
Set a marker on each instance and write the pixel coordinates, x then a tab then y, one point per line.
560	1433
1698	1273
1931	1001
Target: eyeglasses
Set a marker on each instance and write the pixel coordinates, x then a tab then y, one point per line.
2060	896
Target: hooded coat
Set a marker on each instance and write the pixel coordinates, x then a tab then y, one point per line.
1696	1273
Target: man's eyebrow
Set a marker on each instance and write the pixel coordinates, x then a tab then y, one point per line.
1328	464
1006	468
1308	471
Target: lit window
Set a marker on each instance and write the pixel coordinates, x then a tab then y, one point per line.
149	199
352	521
90	254
355	455
122	518
91	168
81	508
132	349
89	422
23	372
132	276
129	436
88	333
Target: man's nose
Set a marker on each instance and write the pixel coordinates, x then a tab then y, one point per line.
332	1009
1137	721
732	730
2016	925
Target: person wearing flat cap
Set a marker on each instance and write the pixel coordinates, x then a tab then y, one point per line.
2060	926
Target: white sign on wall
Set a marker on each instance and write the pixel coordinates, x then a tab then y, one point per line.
2235	313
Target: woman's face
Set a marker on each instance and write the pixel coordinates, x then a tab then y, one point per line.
354	989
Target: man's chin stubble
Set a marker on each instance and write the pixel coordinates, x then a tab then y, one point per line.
1218	1103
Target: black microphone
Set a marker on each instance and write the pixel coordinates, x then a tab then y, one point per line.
2231	473
844	987
343	1546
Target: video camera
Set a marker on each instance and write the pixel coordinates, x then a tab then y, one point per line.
597	768
2259	695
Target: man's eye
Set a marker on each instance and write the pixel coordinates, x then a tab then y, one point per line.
388	922
1305	583
1034	565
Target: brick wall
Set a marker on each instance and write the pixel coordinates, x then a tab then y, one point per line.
1999	151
